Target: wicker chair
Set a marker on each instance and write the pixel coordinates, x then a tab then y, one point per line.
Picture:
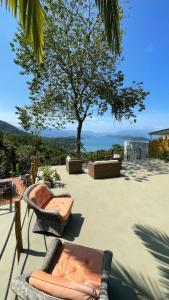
52	211
69	272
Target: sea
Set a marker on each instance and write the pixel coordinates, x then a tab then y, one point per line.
93	143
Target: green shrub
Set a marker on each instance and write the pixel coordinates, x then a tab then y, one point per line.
164	156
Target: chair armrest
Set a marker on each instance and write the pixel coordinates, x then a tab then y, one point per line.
62	195
51	253
107	260
46	212
24	290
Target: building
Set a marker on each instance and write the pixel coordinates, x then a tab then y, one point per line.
159	143
135	150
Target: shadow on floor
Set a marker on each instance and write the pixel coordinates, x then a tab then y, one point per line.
73	228
141	170
126	284
59	184
157	243
34	253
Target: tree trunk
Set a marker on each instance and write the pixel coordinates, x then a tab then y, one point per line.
78	138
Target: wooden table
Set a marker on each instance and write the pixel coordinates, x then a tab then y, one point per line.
15	195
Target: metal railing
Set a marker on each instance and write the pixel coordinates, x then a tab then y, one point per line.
16	222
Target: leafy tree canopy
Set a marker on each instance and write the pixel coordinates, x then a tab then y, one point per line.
78	75
31	16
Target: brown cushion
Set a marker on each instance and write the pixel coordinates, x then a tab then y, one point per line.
61	287
40	195
81	264
61	204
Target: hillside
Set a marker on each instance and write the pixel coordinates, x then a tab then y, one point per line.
8	128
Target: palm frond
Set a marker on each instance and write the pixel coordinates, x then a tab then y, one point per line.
110	12
31	16
140	283
157	243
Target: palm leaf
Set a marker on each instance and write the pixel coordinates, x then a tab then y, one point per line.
110	12
31	16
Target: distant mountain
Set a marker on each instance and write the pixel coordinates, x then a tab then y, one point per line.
8	128
65	133
128	134
133	134
135	138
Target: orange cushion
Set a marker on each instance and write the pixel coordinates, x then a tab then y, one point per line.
40	195
61	204
81	264
60	287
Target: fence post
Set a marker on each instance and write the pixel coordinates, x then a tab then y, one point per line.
33	173
28	179
18	229
28	182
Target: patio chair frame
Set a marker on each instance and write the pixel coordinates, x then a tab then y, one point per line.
25	291
48	221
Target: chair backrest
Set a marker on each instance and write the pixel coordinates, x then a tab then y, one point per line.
40	195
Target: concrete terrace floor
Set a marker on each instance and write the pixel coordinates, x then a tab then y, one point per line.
127	215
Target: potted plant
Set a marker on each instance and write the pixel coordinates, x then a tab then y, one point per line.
48	176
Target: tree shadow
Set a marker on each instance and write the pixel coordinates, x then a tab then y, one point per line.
73	228
157	243
141	170
127	284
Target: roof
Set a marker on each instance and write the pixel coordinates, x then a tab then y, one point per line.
160	132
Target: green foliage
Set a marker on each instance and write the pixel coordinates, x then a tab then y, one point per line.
5	165
103	154
20	149
8	128
31	16
46	174
79	74
164	156
110	12
18	169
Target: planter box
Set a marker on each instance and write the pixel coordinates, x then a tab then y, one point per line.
104	169
74	166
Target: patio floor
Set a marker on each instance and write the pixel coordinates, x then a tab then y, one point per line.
128	215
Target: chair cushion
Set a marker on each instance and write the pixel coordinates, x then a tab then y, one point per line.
61	204
76	274
40	195
81	264
105	162
61	287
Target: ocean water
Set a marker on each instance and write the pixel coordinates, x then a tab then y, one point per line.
93	143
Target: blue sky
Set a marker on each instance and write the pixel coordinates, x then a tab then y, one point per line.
146	58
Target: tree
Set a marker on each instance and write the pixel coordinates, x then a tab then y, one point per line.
31	15
78	76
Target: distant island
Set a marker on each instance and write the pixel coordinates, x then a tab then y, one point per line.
8	128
